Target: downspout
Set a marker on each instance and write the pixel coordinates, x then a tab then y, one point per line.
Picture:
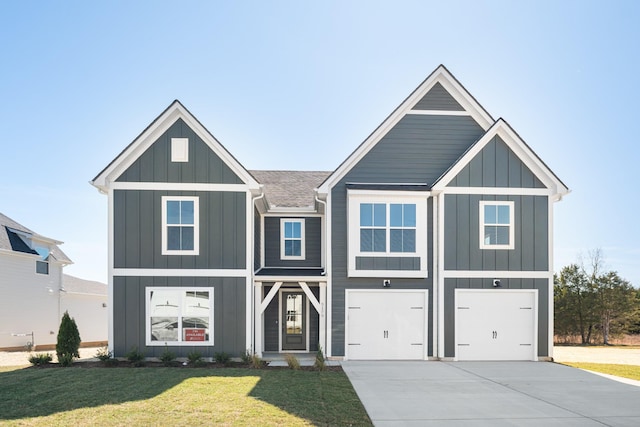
324	267
252	265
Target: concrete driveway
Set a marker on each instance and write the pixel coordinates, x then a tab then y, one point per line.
491	394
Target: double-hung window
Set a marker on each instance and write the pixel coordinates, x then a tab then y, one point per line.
496	225
387	233
179	316
292	239
180	225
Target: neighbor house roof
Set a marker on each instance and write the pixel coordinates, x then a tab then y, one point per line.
11	240
75	285
290	189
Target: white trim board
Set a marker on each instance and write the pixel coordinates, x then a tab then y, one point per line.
187	272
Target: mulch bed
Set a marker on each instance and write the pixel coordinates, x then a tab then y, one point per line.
177	365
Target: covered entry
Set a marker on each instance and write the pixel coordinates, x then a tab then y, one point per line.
496	324
386	325
289	316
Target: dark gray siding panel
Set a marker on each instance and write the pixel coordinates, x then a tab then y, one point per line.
388	263
438	99
450	285
130	323
271	325
417	150
314	322
461	235
313	244
138	228
155	164
496	165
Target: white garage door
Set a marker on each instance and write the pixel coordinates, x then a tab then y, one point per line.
386	325
496	324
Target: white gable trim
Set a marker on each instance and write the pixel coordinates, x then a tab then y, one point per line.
520	149
440	75
160	125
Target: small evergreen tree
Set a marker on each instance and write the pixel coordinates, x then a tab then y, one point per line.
68	340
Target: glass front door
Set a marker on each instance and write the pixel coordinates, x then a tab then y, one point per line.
294	335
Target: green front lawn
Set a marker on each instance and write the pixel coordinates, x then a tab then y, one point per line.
177	396
625	371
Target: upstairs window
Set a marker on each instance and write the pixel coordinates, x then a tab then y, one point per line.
379	235
42	267
180	225
292	239
496	225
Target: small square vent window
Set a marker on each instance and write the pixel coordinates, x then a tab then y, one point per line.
179	149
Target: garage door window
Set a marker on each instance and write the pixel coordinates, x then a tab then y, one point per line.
496	225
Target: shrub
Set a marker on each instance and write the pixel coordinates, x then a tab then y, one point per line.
256	361
195	358
246	357
319	363
222	357
68	340
103	354
40	359
167	357
135	357
292	361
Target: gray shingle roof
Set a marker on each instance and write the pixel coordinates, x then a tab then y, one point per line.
81	286
290	189
9	242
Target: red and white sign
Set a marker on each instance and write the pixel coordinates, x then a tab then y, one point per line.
194	334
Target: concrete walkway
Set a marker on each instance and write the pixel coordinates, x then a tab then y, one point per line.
490	394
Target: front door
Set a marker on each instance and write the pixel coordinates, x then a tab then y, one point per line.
294	336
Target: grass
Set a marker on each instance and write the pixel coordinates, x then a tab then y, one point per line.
175	396
625	371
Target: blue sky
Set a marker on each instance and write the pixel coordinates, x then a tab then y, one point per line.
299	84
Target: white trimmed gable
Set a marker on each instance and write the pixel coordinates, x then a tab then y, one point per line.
442	76
160	125
502	129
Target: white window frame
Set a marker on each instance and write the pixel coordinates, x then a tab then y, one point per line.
283	256
180	343
357	197
196	225
511	225
180	150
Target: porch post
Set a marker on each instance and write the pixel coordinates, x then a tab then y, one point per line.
258	319
323	318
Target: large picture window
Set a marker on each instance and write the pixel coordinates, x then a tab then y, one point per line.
379	235
387	233
179	316
180	225
292	239
496	225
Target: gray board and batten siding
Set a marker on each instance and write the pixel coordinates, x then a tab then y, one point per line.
496	165
312	241
229	316
222	230
417	150
450	285
204	166
462	235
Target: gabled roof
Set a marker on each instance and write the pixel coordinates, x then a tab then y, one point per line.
462	103
502	129
148	136
289	189
11	240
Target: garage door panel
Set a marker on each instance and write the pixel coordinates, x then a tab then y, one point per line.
386	325
495	325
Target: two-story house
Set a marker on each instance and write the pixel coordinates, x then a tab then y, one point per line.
433	239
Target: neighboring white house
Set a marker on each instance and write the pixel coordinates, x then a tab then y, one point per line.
34	292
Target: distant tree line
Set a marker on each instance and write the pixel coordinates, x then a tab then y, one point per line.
594	304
